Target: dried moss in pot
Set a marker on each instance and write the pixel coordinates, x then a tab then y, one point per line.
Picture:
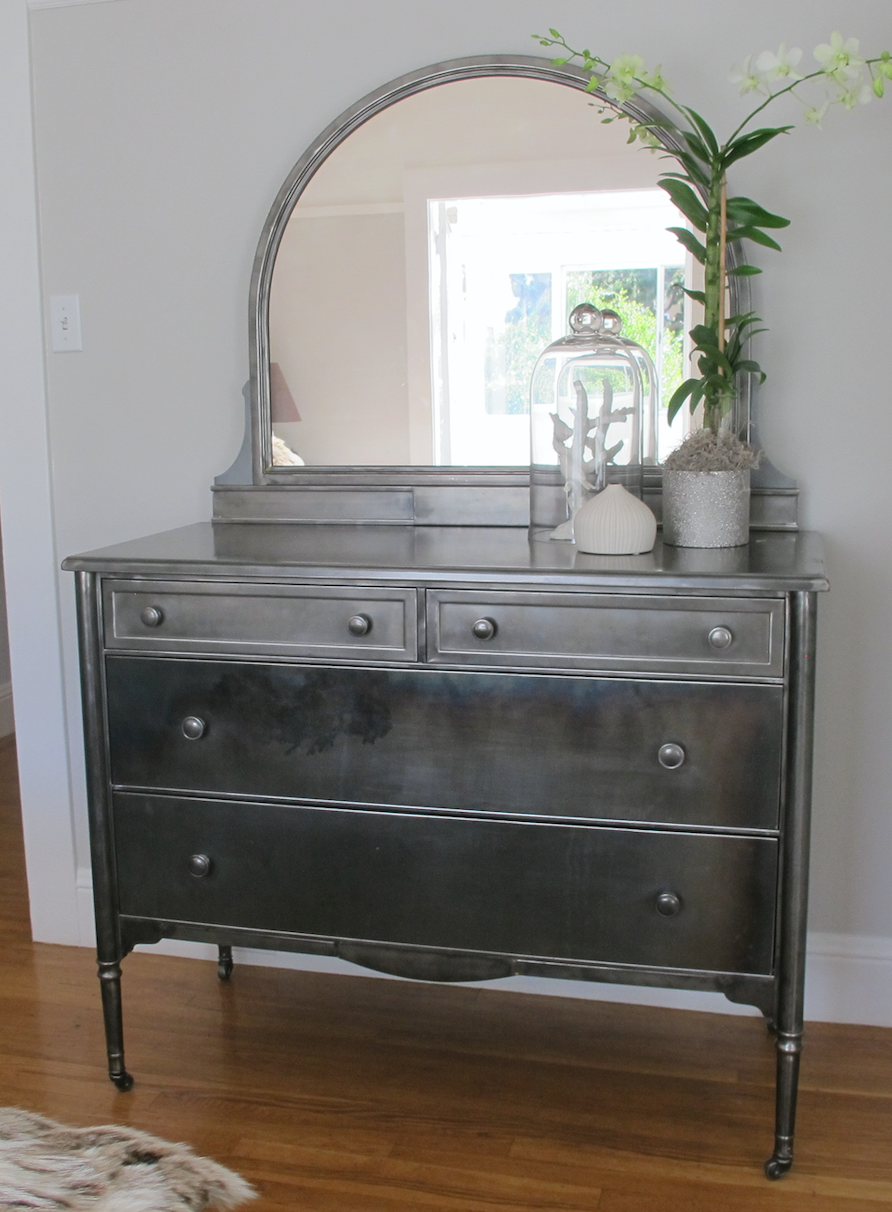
706	450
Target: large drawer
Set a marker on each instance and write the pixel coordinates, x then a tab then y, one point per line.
578	747
330	621
738	637
537	890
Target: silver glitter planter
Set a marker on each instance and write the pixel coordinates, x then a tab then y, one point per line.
706	508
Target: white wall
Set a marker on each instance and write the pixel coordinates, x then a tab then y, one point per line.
164	129
6	718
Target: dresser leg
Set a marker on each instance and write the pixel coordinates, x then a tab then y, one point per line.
224	963
789	1049
110	985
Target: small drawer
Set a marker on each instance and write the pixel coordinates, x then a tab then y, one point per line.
622	896
736	637
330	621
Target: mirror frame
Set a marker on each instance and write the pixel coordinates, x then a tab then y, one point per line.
265	473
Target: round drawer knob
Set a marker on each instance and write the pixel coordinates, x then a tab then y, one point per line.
199	866
484	629
721	637
671	756
194	727
151	616
360	624
668	904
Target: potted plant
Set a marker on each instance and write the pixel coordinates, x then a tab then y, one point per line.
709	474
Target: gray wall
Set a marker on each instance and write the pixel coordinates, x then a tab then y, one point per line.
163	131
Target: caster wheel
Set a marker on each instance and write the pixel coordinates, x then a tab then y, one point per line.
224	963
123	1080
777	1167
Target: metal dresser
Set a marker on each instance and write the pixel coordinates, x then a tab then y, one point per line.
456	754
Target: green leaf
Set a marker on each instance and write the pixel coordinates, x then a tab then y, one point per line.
743	271
712	354
688	240
719	383
692	167
687	202
697	295
740	336
702	335
742	319
749	213
747	144
679	396
755	234
697	146
739	341
705	131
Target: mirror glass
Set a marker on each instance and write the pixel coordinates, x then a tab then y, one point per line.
434	254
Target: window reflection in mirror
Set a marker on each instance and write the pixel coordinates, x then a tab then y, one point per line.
434	255
505	273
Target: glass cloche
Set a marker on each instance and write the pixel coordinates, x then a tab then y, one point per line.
593	406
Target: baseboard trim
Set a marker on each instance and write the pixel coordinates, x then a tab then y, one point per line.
7	721
849	979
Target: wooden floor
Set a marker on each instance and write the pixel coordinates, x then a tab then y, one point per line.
363	1095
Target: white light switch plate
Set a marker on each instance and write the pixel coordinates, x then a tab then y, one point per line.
65	323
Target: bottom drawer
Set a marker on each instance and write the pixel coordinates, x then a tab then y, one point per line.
579	892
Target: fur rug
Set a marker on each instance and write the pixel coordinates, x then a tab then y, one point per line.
50	1168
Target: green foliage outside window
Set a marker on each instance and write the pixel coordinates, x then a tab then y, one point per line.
631	293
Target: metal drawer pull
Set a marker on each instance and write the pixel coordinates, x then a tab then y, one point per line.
484	629
194	728
360	624
721	637
671	756
668	904
199	866
151	616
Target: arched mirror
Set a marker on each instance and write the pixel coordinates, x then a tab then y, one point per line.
425	250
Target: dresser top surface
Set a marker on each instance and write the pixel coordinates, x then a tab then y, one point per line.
770	562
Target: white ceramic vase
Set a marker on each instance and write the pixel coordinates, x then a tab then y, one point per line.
706	508
614	523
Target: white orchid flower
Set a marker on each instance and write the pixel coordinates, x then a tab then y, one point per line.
745	76
779	66
618	90
647	137
627	68
815	114
840	60
624	77
856	94
655	79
